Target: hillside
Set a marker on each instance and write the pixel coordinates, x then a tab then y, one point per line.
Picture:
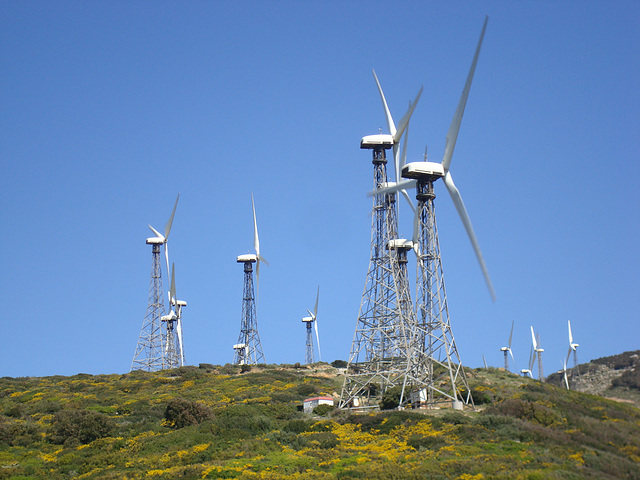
616	377
216	422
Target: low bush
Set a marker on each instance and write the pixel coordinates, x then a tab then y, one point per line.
80	426
181	413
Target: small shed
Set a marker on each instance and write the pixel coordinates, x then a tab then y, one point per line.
311	403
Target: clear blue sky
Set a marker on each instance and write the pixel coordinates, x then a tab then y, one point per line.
109	109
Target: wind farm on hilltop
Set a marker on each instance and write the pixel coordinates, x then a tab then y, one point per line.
449	348
316	142
403	341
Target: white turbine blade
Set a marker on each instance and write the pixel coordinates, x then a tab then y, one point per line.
570	335
396	187
399	165
315	309
484	361
400	162
179	328
156	233
408	198
511	334
387	112
512	357
166	255
172	290
315	324
466	221
533	338
404	121
568	355
311	314
256	240
532	359
167	227
454	128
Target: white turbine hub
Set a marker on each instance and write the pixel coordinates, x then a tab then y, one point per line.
415	170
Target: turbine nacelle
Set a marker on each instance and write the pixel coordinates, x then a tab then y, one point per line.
155	241
417	170
399	244
381	140
574	346
248	257
308	319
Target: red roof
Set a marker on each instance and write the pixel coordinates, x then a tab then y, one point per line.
318	398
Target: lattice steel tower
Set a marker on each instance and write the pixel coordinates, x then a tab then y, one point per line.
309	356
152	349
378	358
149	351
378	353
248	350
445	377
312	321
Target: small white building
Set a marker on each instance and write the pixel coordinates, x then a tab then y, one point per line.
311	403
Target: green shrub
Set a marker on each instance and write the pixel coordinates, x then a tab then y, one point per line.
526	410
391	398
181	412
323	409
81	426
339	364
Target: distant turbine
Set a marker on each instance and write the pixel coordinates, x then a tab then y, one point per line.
507	350
532	359
573	347
171	341
538	349
308	321
248	350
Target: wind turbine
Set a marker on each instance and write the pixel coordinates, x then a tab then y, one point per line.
507	350
374	363
431	302
179	304
149	354
248	350
172	341
532	360
538	349
312	319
